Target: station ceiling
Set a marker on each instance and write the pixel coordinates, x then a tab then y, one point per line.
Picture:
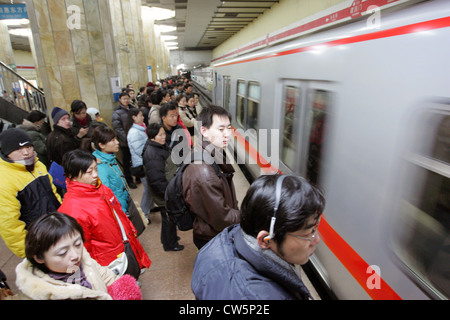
205	24
201	24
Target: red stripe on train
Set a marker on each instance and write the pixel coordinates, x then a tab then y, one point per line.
351	260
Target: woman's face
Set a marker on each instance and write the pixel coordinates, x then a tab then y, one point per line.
160	137
139	118
65	255
90	176
110	147
80	115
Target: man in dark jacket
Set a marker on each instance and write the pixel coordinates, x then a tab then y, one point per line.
211	198
256	259
119	119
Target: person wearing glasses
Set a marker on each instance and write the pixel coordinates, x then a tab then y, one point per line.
256	259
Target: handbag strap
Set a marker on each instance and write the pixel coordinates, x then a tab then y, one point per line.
122	229
121	179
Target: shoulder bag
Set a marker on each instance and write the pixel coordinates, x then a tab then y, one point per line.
126	263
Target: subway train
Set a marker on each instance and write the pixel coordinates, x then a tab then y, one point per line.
362	111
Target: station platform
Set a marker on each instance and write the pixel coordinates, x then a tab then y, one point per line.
169	276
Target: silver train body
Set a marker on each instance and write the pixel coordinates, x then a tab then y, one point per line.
364	114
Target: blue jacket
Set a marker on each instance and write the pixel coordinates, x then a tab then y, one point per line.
137	137
111	176
227	268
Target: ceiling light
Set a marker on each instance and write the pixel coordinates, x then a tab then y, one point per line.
172	48
168	38
16	22
171	43
24	32
164	28
156	13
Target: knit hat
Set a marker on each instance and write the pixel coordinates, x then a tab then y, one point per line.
57	114
13	139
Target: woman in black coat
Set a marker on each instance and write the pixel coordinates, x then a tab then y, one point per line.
159	169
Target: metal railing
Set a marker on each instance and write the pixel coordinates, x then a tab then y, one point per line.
19	91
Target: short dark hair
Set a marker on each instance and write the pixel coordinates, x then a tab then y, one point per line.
123	94
205	117
77	106
103	135
166	107
180	96
298	202
153	129
45	232
35	116
77	162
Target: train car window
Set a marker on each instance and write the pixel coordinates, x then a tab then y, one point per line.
290	126
422	240
240	102
226	92
254	96
318	115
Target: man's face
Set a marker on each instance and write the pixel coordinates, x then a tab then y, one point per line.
171	119
22	153
219	133
298	246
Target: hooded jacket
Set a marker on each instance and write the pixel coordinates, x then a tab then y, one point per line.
34	284
212	199
92	206
24	196
230	267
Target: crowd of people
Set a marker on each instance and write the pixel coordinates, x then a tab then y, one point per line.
66	207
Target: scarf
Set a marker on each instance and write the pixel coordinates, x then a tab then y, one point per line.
78	277
83	123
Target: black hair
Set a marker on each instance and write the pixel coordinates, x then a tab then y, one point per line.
77	162
205	117
35	116
131	113
103	135
153	130
45	232
166	107
180	96
77	106
299	202
123	94
156	97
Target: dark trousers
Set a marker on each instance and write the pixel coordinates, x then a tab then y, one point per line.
168	231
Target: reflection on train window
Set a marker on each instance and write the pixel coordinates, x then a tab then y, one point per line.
318	115
240	102
290	127
423	241
254	96
227	90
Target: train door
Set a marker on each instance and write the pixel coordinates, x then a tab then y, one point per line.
420	236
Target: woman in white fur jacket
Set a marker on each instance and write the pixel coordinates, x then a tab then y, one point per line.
57	267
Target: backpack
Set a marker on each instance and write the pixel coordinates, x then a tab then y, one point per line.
177	209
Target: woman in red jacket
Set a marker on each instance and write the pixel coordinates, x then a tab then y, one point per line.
93	204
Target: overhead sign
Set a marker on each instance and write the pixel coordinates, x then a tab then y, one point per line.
13	11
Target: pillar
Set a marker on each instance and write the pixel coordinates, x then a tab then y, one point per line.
78	49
